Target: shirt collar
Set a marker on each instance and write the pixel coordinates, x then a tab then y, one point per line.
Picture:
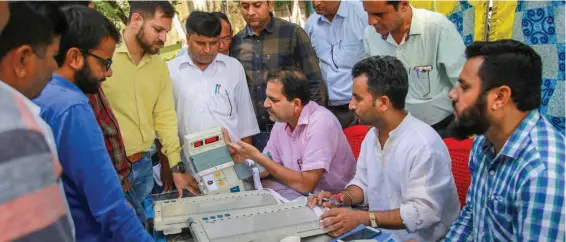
416	27
123	48
305	114
406	122
269	27
62	82
186	59
30	105
517	140
342	12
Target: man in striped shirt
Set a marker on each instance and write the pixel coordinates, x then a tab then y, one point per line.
32	203
517	160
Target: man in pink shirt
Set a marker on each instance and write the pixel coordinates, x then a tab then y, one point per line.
308	149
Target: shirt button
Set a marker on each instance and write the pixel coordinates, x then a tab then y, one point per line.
256	56
492	172
419	222
489	197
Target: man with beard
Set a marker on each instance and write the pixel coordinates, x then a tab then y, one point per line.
517	160
336	31
210	89
141	97
99	209
307	150
403	171
32	201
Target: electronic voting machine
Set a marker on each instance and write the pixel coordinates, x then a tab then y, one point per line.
211	163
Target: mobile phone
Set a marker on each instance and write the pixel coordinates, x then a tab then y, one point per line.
360	233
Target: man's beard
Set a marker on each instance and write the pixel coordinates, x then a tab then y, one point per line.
85	81
471	121
145	45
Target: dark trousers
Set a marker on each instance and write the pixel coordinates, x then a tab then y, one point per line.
344	115
442	127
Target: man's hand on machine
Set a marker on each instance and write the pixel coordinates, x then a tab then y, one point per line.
245	150
235	156
184	180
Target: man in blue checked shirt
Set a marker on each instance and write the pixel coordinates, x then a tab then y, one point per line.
517	160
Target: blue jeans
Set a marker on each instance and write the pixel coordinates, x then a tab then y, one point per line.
142	183
138	208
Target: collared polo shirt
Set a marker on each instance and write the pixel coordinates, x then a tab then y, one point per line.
141	98
433	55
317	142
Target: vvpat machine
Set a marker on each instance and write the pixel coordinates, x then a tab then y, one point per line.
211	163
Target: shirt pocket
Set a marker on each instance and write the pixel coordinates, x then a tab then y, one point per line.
419	81
221	103
346	54
499	209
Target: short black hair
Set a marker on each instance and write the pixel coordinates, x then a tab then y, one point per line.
68	3
395	4
203	23
513	64
147	9
295	83
223	16
32	23
386	77
87	28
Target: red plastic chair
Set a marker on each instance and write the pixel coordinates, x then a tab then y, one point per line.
355	135
460	153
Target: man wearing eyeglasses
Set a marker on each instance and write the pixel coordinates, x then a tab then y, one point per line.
98	206
210	89
141	97
336	31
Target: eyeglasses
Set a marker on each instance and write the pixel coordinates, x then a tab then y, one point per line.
226	39
107	63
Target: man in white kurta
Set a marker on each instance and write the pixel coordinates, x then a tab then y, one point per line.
210	89
403	171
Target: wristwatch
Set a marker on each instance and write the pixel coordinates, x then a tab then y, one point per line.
180	167
372	219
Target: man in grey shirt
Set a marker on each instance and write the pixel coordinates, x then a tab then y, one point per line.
32	201
430	48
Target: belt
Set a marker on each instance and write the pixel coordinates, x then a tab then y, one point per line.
135	157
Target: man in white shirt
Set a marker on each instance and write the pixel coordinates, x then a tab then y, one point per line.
210	89
430	48
336	31
403	171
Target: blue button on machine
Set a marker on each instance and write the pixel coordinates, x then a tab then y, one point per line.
235	189
212	217
227	215
205	218
219	216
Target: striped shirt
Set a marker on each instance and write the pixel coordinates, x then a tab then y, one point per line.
518	194
280	44
32	203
